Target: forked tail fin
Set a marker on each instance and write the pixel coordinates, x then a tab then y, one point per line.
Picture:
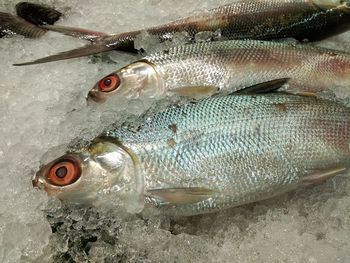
43	17
74	53
121	42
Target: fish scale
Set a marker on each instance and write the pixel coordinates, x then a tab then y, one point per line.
263	19
245	19
245	148
228	64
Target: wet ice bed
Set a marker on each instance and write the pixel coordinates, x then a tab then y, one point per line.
43	109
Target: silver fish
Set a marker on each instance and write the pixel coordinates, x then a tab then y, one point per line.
201	69
202	157
245	19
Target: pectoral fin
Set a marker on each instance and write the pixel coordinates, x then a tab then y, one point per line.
197	92
264	87
321	176
181	195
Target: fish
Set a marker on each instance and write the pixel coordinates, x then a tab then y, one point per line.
37	14
15	25
245	19
28	20
203	157
202	69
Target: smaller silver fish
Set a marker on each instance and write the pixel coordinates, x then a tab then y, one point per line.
199	70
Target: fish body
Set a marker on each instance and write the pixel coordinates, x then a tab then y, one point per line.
28	20
245	19
15	25
37	14
262	19
201	69
218	153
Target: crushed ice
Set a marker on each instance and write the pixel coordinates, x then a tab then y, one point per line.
44	108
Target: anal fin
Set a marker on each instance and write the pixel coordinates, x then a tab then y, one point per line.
181	195
318	177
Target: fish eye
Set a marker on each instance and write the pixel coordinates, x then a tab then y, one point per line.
109	83
64	172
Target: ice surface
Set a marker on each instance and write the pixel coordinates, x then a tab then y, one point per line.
43	109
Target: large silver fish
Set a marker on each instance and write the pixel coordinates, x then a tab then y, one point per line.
244	19
201	69
218	153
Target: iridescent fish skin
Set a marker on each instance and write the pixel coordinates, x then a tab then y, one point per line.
246	19
201	69
218	153
263	19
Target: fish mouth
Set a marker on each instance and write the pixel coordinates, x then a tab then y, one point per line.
96	96
37	181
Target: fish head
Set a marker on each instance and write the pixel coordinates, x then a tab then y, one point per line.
103	171
139	78
344	5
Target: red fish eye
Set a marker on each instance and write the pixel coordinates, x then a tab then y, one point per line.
109	83
64	172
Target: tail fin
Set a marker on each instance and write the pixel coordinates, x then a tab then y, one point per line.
37	14
74	53
11	25
45	17
76	32
123	42
30	17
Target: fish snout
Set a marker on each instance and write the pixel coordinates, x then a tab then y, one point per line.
37	181
96	96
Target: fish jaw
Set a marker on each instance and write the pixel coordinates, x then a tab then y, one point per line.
104	172
137	79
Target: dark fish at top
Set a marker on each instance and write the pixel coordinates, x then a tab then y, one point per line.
245	19
30	17
37	14
15	25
